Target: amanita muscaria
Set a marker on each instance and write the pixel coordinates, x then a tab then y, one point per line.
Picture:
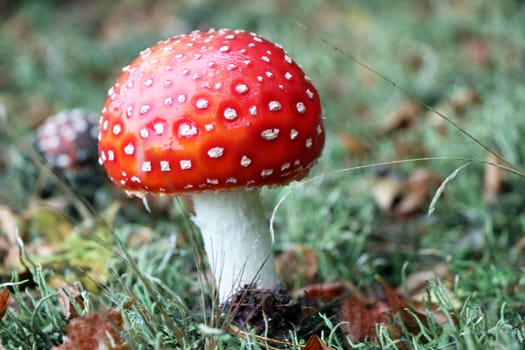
68	140
217	114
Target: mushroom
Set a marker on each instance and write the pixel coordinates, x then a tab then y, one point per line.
216	114
68	140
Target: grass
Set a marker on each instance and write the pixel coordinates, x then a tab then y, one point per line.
66	54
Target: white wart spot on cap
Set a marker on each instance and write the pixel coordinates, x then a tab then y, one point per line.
159	128
274	106
117	129
288	76
129	149
145	109
187	130
168	101
245	161
300	107
111	155
202	103
63	160
185	164
230	114
270	134
146	167
216	152
181	98
293	134
266	172
310	94
144	133
165	165
253	110
241	88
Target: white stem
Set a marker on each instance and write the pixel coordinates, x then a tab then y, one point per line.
236	239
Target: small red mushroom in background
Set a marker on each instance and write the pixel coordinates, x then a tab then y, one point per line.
68	140
216	114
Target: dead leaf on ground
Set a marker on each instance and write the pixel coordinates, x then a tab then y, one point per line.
403	116
323	291
417	282
360	320
405	198
315	343
417	192
4	300
493	179
94	331
456	104
353	145
298	265
69	298
9	249
392	311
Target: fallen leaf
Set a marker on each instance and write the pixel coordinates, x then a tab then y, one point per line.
475	51
69	298
4	299
417	282
94	331
417	192
9	249
315	343
386	192
353	145
322	291
297	266
456	104
360	320
402	117
493	179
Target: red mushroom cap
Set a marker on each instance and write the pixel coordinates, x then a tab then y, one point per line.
210	111
68	140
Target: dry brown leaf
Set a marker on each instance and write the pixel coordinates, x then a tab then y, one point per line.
455	104
402	117
94	331
354	145
360	320
386	192
475	51
68	296
493	179
417	192
9	249
417	282
315	343
4	300
297	265
322	291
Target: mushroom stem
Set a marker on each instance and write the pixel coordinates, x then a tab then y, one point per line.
236	239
